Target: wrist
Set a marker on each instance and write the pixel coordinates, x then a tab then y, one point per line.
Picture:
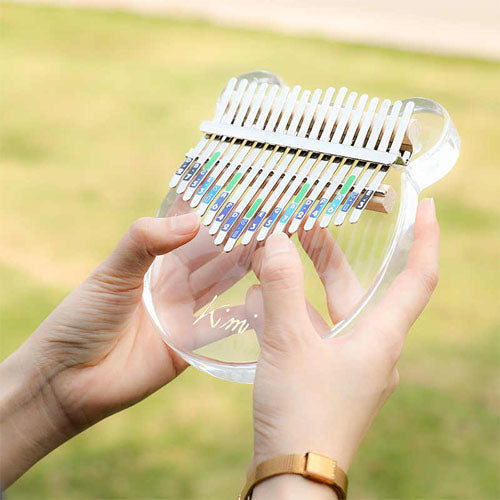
31	421
291	486
308	475
341	449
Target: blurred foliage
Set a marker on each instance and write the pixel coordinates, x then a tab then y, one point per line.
97	111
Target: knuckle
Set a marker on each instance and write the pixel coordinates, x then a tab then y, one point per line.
138	229
389	348
394	382
429	279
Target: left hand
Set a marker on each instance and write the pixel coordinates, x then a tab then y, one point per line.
98	351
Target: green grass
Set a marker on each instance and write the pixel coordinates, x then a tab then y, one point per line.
97	110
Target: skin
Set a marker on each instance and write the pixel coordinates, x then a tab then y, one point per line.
98	352
314	394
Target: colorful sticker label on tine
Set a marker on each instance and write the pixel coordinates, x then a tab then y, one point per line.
198	179
183	167
274	215
192	171
340	196
239	228
365	199
211	195
256	222
225	211
205	170
293	206
334	204
350	201
304	209
288	213
319	207
257	203
227	226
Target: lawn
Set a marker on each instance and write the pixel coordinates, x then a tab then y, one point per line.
97	110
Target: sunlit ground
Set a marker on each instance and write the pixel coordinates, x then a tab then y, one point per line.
97	110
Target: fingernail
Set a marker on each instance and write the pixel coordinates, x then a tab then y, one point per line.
185	224
431	206
277	243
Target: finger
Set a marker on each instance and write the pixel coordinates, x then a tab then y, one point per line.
145	239
254	310
257	261
412	289
317	320
342	287
254	306
196	253
282	278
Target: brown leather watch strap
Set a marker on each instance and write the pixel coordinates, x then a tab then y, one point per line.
313	466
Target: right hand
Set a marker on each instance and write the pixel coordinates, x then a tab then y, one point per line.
315	394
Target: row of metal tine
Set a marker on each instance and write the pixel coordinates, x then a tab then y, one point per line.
246	189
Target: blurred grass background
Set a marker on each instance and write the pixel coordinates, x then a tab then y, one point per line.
97	110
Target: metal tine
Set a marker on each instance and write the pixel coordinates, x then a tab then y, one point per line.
272	170
226	118
322	111
341	165
273	161
303	162
236	153
380	175
290	106
193	153
222	104
366	122
335	111
253	165
355	120
361	183
256	105
225	148
230	106
283	183
389	126
319	174
245	157
305	167
378	124
245	104
358	166
318	123
402	126
249	168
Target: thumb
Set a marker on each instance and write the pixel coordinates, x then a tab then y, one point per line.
146	238
285	313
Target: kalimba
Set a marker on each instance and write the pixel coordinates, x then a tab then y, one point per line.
327	169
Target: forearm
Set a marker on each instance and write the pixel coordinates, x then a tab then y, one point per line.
31	422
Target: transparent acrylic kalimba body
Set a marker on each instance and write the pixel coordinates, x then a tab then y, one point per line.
207	305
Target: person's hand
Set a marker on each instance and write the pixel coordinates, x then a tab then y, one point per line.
315	394
98	352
